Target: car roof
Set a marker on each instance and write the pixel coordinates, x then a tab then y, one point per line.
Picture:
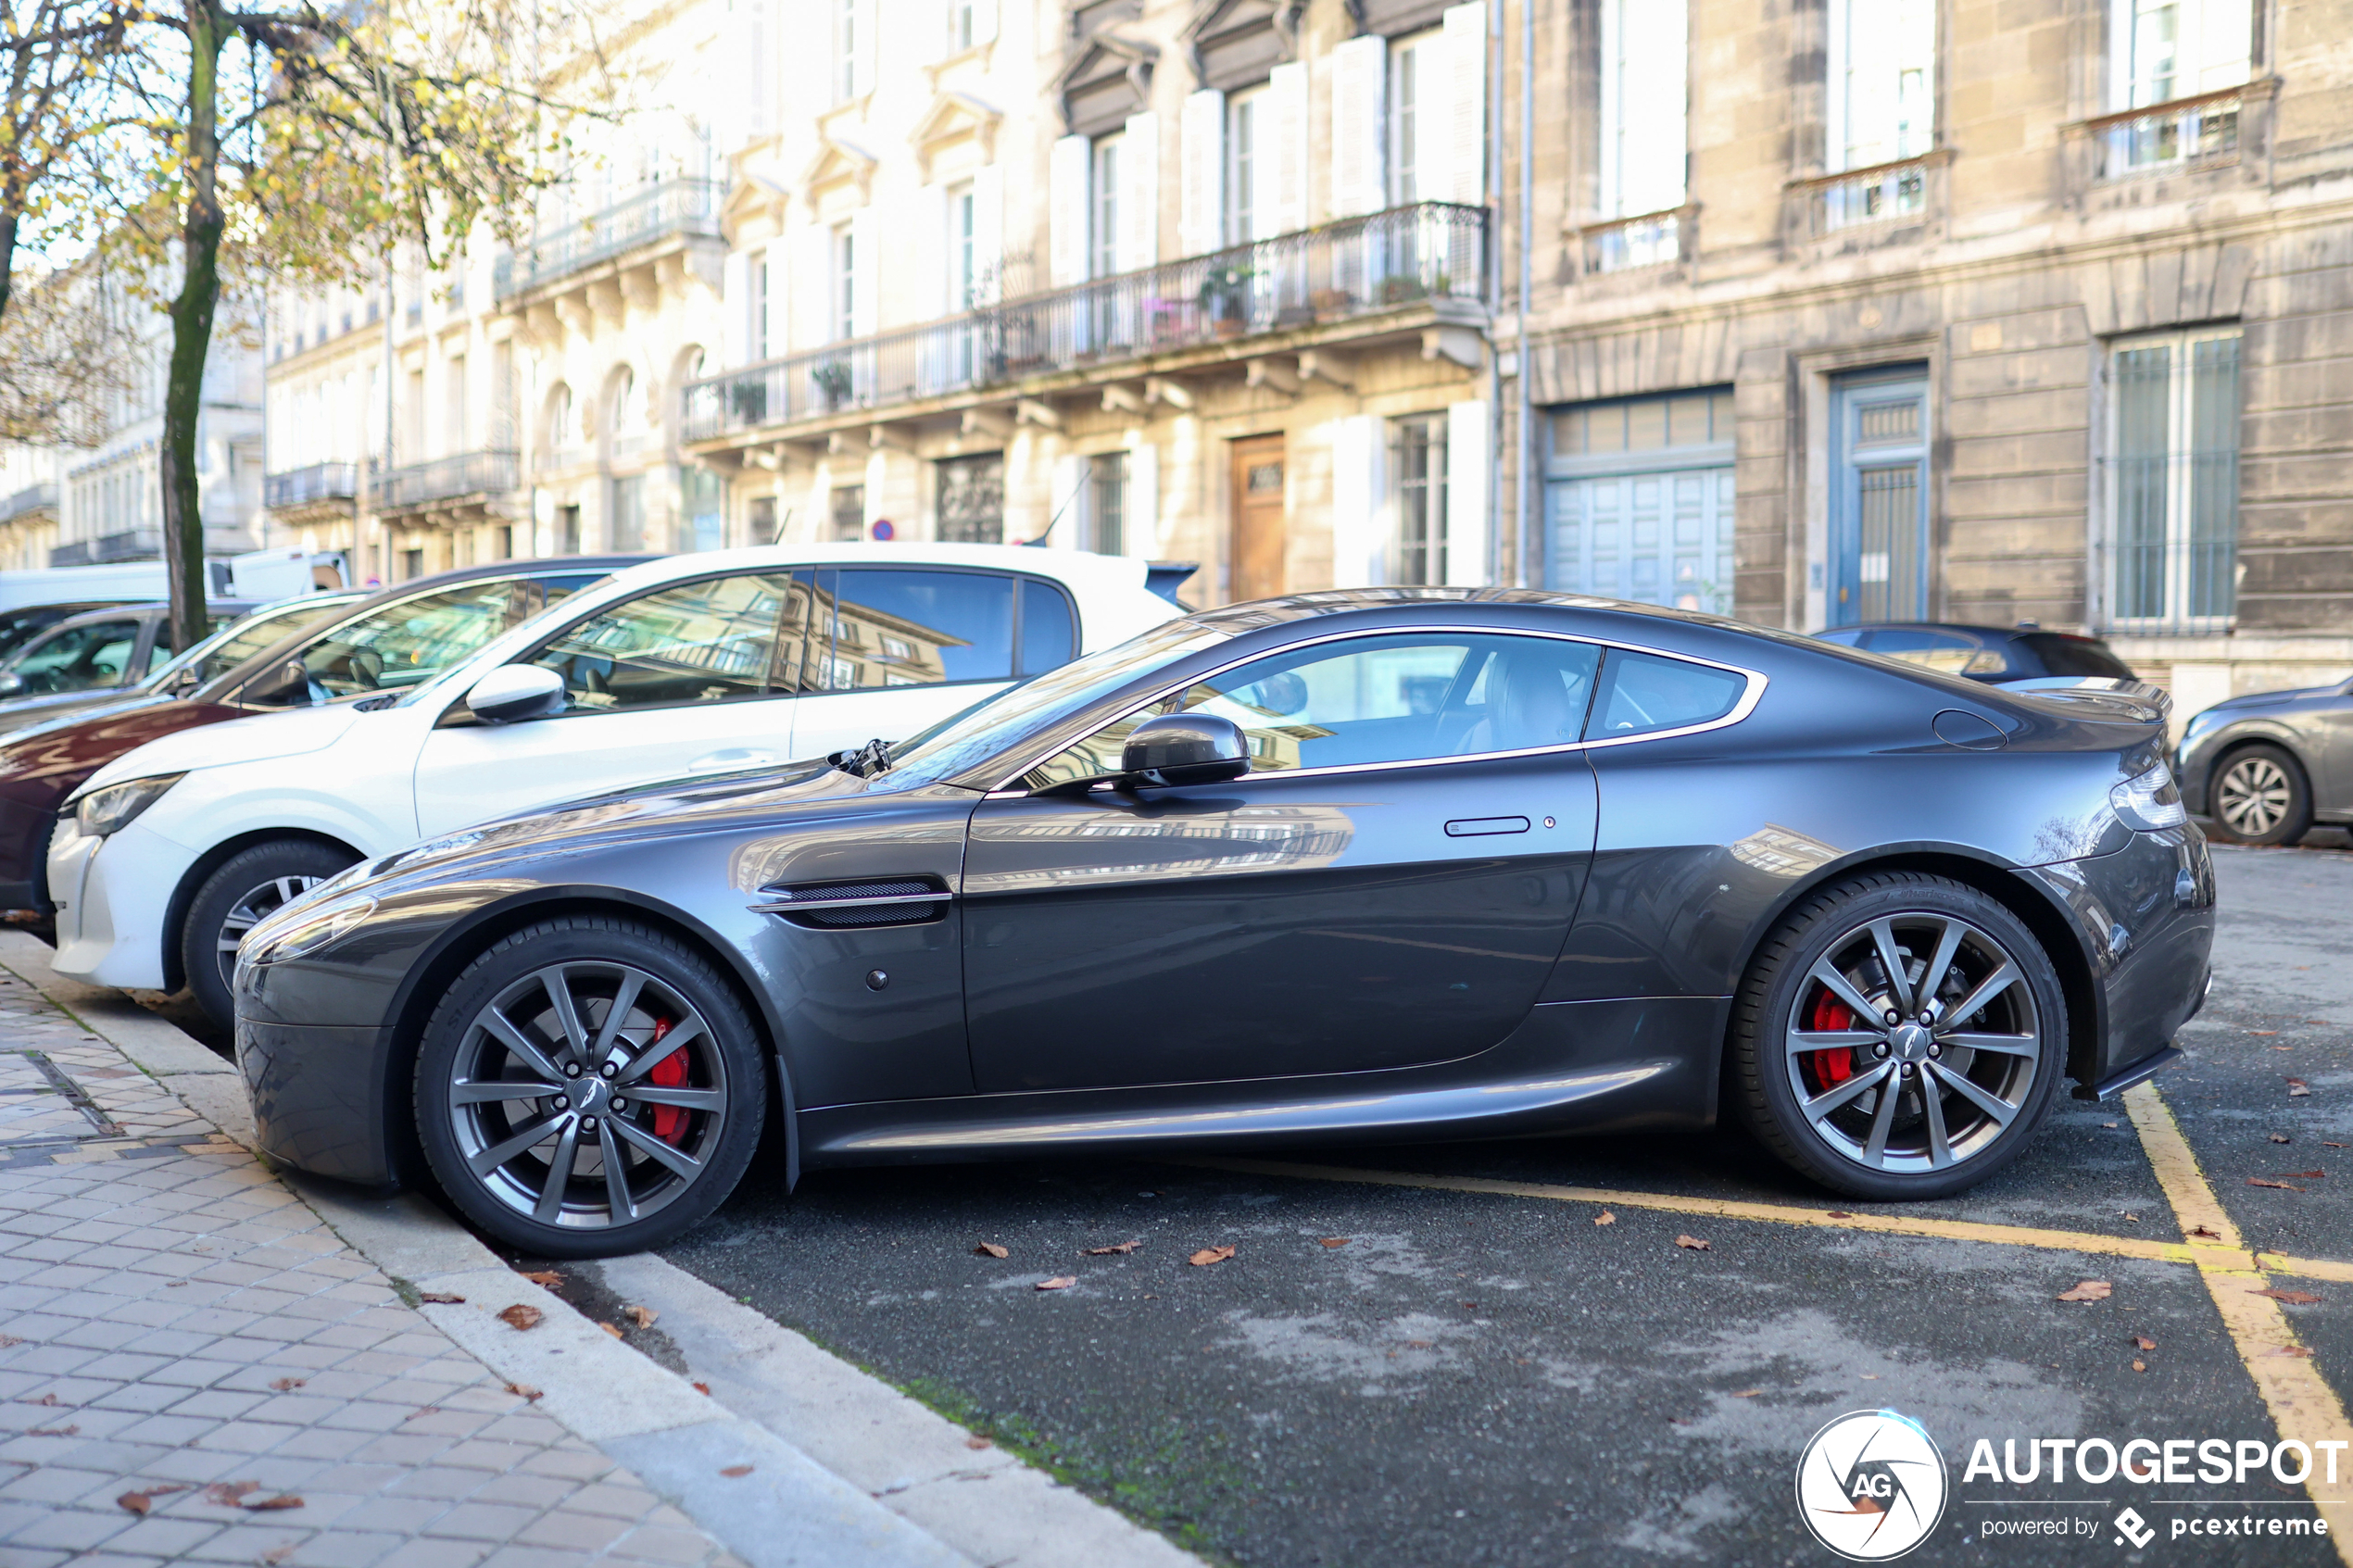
1970	628
1074	567
149	609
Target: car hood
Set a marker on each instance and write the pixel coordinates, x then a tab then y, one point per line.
266	737
22	712
2272	699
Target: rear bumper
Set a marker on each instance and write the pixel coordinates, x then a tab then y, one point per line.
2145	916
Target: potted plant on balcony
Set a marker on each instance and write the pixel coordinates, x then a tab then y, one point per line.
831	377
1225	299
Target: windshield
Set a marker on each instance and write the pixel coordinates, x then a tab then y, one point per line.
400	646
239	640
1001	723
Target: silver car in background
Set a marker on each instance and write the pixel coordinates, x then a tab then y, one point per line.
2268	767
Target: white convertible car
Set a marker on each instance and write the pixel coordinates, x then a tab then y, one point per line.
706	663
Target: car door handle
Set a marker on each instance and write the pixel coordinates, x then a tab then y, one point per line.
726	762
1475	827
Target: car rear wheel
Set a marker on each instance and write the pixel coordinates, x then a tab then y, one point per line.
589	1087
2262	796
242	890
1899	1036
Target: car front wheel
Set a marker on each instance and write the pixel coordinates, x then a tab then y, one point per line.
2260	797
1899	1036
589	1087
242	889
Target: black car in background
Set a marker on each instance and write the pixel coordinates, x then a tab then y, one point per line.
1349	865
2023	652
19	626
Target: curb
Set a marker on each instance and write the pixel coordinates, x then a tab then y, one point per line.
844	1468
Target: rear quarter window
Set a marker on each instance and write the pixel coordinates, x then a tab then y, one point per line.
1643	694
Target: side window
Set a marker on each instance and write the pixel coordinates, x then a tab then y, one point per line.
1641	693
1372	700
711	641
907	628
396	645
77	658
1048	640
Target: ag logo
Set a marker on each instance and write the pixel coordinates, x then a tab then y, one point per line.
1870	1486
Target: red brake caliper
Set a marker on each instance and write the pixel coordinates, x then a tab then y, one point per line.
1826	1070
670	1073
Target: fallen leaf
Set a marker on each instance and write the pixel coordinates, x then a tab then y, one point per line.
2325	1144
526	1393
1209	1255
1693	1243
737	1470
282	1384
271	1505
522	1316
2259	1182
1417	1344
2298	1350
609	1328
139	1502
2143	1342
2087	1290
2297	1088
2279	1137
545	1278
1748	1393
1840	1214
422	1410
9	1340
53	1431
703	1388
1116	1249
2209	1233
277	1554
642	1316
442	1298
978	1443
2293	1298
2135	1218
1604	1218
2110	1125
2305	1175
47	1400
2262	1031
231	1494
2139	1366
1336	1240
1470	1306
1060	1282
1870	1377
990	1249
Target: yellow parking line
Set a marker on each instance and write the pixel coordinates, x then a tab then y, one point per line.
2302	1404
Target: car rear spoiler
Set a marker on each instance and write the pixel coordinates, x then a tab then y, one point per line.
1165	577
2137	699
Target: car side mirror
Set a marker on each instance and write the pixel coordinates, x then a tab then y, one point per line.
11	684
515	692
1185	748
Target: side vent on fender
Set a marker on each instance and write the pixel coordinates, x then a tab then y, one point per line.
850	905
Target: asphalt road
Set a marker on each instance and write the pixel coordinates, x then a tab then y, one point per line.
1474	1378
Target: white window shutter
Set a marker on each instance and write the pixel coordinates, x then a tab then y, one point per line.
1468	506
2225	43
734	336
1359	515
862	57
1285	110
1360	75
989	231
1466	176
1070	160
863	274
1142	501
984	21
1200	157
1139	194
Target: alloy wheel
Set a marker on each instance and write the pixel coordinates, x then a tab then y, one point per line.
2253	797
587	1095
258	905
1913	1043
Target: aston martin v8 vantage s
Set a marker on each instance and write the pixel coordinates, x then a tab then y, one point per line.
1349	865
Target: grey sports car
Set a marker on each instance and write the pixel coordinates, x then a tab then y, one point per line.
2267	766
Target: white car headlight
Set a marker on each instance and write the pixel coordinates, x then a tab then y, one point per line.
312	928
101	811
2149	801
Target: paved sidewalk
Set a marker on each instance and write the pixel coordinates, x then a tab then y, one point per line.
195	1368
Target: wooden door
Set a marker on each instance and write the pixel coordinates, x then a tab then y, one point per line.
1258	518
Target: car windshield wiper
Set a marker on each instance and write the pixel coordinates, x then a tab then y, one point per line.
866	761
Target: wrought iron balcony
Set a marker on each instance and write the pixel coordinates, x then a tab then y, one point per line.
32	498
1360	267
1881	194
2186	133
1649	239
460	477
676	205
131	543
309	486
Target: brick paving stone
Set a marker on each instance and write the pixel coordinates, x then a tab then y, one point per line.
160	1282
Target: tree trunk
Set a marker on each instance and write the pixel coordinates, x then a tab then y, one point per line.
192	330
7	259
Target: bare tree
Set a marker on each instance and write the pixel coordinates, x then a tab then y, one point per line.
56	61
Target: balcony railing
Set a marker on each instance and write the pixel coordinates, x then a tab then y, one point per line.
1390	260
131	543
446	479
1881	194
308	486
662	208
2204	130
1624	244
32	498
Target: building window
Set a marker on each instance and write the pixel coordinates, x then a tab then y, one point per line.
2174	480
845	49
1107	503
1407	59
568	531
626	514
2165	50
845	283
1638	500
971	499
1102	208
1245	174
964	281
1417	458
705	496
1882	81
756	307
759	521
959	26
1645	103
848	507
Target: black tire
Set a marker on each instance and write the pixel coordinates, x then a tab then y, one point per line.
2260	795
241	890
2013	1058
677	1164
